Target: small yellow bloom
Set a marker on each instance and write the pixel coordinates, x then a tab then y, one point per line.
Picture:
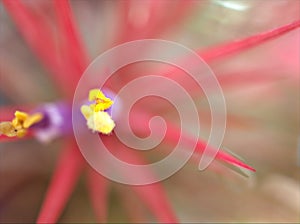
97	119
19	125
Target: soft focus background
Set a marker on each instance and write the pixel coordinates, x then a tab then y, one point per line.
262	98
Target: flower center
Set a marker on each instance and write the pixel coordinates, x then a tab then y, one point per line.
97	119
20	124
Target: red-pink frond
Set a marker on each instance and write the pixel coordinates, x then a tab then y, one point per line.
173	134
240	45
134	212
71	39
62	184
38	36
148	19
230	48
135	18
171	18
98	191
153	195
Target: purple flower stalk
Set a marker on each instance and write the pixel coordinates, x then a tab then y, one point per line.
57	121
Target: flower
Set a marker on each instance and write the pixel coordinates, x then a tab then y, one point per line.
51	120
19	125
97	118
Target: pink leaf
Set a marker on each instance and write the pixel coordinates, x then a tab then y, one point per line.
72	43
62	184
240	45
35	31
152	195
173	134
98	189
232	47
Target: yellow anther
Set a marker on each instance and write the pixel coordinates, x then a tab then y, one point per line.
102	106
21	115
21	133
86	111
16	123
33	119
8	129
101	101
97	119
19	125
96	94
101	122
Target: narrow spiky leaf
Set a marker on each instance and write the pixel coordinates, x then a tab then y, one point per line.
73	44
152	195
98	190
62	184
243	44
173	134
37	33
